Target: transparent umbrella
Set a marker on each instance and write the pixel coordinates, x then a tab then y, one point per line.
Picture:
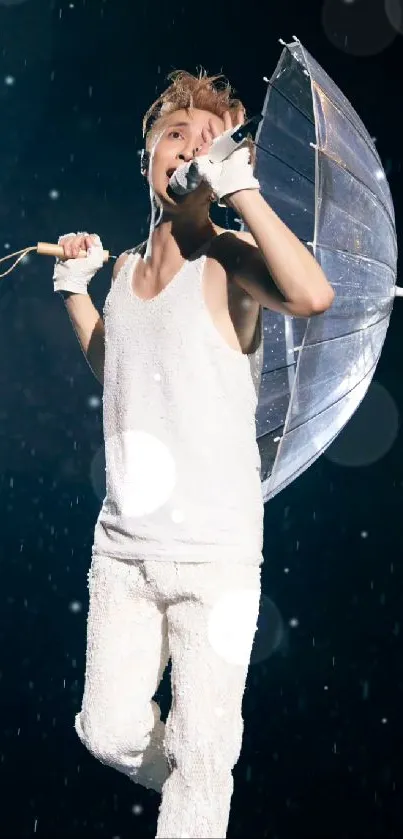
320	171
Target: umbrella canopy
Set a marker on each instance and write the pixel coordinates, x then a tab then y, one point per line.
319	170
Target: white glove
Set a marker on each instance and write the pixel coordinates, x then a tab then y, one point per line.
226	169
75	274
231	175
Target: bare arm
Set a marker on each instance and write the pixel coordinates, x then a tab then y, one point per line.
89	326
280	273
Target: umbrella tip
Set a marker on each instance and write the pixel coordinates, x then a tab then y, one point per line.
282	42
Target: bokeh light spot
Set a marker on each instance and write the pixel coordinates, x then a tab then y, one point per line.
142	472
394	11
370	433
232	625
360	28
238	635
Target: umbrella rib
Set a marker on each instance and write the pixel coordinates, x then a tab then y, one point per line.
352	332
379	262
289	165
318	414
329	157
301	425
325	341
335	338
346	213
302	469
335	105
290	102
338	107
272	431
356	178
312	122
372	148
283	366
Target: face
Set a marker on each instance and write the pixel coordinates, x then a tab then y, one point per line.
182	137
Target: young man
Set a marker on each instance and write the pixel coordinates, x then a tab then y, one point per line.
177	552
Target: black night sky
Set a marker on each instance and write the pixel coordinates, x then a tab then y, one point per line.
322	754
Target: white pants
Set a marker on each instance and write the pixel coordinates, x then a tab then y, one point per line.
140	615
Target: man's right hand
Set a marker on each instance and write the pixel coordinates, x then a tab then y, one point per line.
73	243
74	273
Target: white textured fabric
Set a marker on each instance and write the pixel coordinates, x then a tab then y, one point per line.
140	614
182	460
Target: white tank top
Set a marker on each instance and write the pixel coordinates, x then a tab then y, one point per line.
182	460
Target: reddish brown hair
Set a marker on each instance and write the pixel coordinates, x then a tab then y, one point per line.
207	93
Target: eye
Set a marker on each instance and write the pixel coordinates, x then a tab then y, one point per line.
174	131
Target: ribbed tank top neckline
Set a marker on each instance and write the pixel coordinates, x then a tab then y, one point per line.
131	264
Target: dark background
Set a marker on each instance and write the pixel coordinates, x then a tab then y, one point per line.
322	709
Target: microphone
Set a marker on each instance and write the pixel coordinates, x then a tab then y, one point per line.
226	143
48	249
185	179
45	249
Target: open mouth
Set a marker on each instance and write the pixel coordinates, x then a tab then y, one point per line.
170	172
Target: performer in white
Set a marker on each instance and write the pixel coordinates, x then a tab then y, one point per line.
177	551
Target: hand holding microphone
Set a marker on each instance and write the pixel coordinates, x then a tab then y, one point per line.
225	166
76	270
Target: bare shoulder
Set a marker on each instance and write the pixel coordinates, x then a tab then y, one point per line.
119	264
236	241
243	236
238	252
249	273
